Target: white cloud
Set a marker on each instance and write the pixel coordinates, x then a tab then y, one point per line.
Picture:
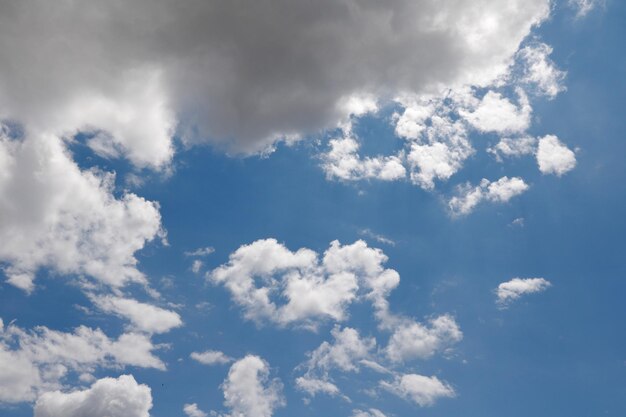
500	191
194	69
553	157
262	273
539	70
314	386
211	357
107	397
510	291
144	317
414	340
54	215
496	113
192	410
196	266
514	147
38	360
343	162
583	7
372	412
200	252
422	390
249	392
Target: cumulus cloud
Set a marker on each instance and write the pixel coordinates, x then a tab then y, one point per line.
422	390
107	397
271	283
192	410
55	215
499	191
540	71
36	361
211	357
496	113
553	157
143	317
229	74
248	390
343	162
414	340
510	291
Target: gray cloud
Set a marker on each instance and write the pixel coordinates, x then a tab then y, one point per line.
240	74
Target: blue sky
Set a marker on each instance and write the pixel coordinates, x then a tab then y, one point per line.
554	346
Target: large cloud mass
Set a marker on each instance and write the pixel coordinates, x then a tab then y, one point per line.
239	73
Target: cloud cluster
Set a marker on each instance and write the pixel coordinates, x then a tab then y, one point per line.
501	190
436	129
243	76
420	389
55	215
36	361
271	283
107	397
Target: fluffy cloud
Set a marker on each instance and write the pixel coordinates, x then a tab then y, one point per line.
192	410
260	274
107	397
343	162
38	360
500	191
540	71
496	113
510	291
136	72
144	317
249	392
420	389
553	157
211	357
414	340
55	215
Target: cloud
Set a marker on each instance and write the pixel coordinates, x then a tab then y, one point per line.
422	390
55	215
192	410
500	191
36	361
510	291
229	74
540	71
496	113
514	147
249	392
345	354
211	357
414	340
107	397
313	386
200	252
265	272
343	162
144	317
553	157
583	7
372	412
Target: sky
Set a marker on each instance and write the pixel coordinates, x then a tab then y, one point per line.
285	208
